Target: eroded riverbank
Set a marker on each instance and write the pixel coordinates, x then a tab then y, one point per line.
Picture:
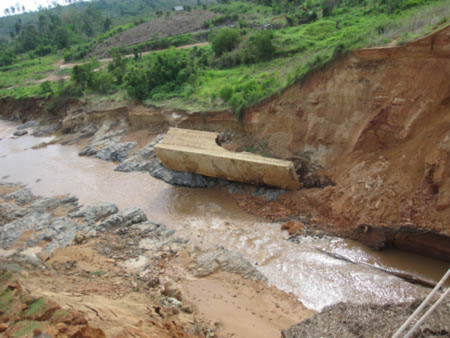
210	217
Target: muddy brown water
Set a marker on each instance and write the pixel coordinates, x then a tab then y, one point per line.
210	217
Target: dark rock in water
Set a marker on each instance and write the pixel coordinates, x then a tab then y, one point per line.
146	160
21	197
116	151
112	221
369	320
133	215
97	211
45	130
19	133
29	124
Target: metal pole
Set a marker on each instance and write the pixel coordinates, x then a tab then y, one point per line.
421	306
430	310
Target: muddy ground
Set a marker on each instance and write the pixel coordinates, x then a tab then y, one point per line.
126	275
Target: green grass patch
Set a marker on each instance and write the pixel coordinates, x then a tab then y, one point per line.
5	299
26	327
27	70
37	306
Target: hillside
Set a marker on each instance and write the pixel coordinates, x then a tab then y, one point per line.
119	11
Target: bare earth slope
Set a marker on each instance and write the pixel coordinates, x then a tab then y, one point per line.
378	121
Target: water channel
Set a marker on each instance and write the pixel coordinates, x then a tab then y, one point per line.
210	217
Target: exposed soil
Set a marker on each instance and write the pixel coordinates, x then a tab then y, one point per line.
377	121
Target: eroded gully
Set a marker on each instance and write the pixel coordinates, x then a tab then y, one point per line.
210	217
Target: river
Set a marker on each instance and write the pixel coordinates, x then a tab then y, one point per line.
210	217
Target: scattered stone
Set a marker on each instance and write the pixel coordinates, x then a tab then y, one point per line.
97	211
79	239
112	221
293	227
210	261
116	151
170	290
13	230
19	133
40	131
21	197
133	215
29	124
135	264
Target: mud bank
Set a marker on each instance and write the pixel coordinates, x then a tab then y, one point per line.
377	121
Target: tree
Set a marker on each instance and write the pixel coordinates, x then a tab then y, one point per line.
225	40
261	45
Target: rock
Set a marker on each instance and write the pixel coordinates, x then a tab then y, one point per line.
97	211
112	221
13	230
7	253
293	227
210	261
30	255
116	151
79	239
187	309
45	130
29	124
10	212
49	204
19	133
21	197
146	160
3	327
170	290
133	215
135	264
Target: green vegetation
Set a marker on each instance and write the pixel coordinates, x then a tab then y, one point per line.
35	307
272	44
5	299
26	327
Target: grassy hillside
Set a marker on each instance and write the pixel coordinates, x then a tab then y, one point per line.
269	45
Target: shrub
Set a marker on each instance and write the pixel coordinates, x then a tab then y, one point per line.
225	40
102	82
225	93
261	46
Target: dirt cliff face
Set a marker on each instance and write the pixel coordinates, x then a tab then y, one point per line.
378	121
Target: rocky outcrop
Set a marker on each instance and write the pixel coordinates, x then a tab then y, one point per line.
146	160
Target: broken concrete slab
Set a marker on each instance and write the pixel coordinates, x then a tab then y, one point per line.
197	152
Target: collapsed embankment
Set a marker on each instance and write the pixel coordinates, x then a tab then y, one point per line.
378	122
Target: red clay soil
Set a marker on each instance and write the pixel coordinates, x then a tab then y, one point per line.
378	121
